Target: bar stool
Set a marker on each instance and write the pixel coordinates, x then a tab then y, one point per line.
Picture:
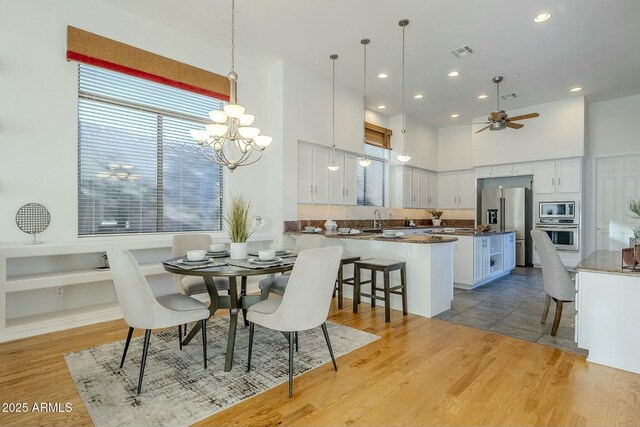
386	266
341	280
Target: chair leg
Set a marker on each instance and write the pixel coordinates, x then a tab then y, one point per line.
251	328
126	346
373	287
556	319
204	341
291	338
180	336
403	282
185	329
296	340
356	287
387	297
326	337
545	312
145	349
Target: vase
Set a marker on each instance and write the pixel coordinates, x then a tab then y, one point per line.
238	250
436	222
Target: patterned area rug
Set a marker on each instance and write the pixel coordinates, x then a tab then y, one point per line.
177	390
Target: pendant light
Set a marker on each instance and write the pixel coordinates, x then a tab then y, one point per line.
364	162
332	157
404	158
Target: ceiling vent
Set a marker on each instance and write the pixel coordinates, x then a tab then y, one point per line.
461	52
508	96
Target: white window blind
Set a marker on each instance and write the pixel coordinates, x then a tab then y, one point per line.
371	180
139	171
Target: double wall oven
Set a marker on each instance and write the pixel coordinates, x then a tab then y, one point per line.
561	223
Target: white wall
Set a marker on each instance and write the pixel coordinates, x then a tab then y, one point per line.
557	133
377	119
38	125
421	142
454	148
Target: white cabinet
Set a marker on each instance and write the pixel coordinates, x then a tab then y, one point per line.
481	259
428	183
516	169
317	184
509	251
411	187
558	177
433	190
414	188
457	190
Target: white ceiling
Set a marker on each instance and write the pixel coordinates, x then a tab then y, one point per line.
594	44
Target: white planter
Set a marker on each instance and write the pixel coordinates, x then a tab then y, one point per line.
238	250
436	222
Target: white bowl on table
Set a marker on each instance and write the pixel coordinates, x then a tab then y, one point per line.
309	229
218	247
196	254
389	233
267	254
344	230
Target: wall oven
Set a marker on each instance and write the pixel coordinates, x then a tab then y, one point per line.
565	237
557	211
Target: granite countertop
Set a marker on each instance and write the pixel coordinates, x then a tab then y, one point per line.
605	262
407	238
471	232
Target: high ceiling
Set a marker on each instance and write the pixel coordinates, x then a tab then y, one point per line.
592	44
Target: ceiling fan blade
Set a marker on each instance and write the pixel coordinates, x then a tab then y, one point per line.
484	128
524	116
514	125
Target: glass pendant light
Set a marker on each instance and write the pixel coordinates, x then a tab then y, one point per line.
332	157
404	158
364	162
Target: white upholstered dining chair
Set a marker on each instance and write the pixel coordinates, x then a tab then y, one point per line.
191	285
558	284
277	284
306	303
141	309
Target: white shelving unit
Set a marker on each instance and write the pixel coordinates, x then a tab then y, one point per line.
31	277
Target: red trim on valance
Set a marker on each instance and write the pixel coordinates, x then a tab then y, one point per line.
74	56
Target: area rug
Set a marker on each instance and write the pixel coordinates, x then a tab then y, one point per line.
177	390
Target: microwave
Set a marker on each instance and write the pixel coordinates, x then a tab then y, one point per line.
557	211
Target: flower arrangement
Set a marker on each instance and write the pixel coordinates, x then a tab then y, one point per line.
436	214
236	220
634	207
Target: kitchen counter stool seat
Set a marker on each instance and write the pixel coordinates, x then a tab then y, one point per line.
385	266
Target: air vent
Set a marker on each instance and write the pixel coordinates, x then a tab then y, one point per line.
508	96
461	52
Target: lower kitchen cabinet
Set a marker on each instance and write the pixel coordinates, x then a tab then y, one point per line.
480	259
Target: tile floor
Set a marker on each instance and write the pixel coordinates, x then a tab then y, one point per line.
513	306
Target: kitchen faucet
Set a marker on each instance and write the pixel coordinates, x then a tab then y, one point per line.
376	218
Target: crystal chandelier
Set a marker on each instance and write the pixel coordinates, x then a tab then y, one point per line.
364	162
404	158
332	161
231	140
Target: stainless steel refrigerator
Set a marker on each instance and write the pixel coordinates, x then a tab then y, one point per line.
517	214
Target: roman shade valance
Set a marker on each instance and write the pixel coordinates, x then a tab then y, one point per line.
89	48
377	135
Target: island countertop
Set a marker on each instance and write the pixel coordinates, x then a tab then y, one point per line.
605	262
407	238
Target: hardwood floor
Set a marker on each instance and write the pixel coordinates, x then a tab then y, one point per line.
422	372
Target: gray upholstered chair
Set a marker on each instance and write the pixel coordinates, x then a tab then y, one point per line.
278	284
141	309
558	284
306	303
191	285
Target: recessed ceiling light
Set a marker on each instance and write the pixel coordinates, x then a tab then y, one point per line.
542	17
575	89
454	74
418	96
383	75
381	107
483	96
455	116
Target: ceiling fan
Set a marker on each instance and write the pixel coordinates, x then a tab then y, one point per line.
499	120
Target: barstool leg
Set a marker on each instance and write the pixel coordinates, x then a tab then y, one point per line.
340	278
387	297
403	282
356	287
374	275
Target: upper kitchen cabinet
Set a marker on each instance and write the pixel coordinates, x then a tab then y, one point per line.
413	188
317	184
500	171
456	190
558	176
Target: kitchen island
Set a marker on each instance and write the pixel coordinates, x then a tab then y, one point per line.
607	315
429	267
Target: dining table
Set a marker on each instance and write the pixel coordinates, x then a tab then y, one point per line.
235	301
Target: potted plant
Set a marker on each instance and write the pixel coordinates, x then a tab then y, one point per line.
634	207
236	222
435	217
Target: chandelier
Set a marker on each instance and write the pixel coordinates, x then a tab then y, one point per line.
230	140
404	158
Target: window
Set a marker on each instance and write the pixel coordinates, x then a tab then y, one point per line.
371	180
139	171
